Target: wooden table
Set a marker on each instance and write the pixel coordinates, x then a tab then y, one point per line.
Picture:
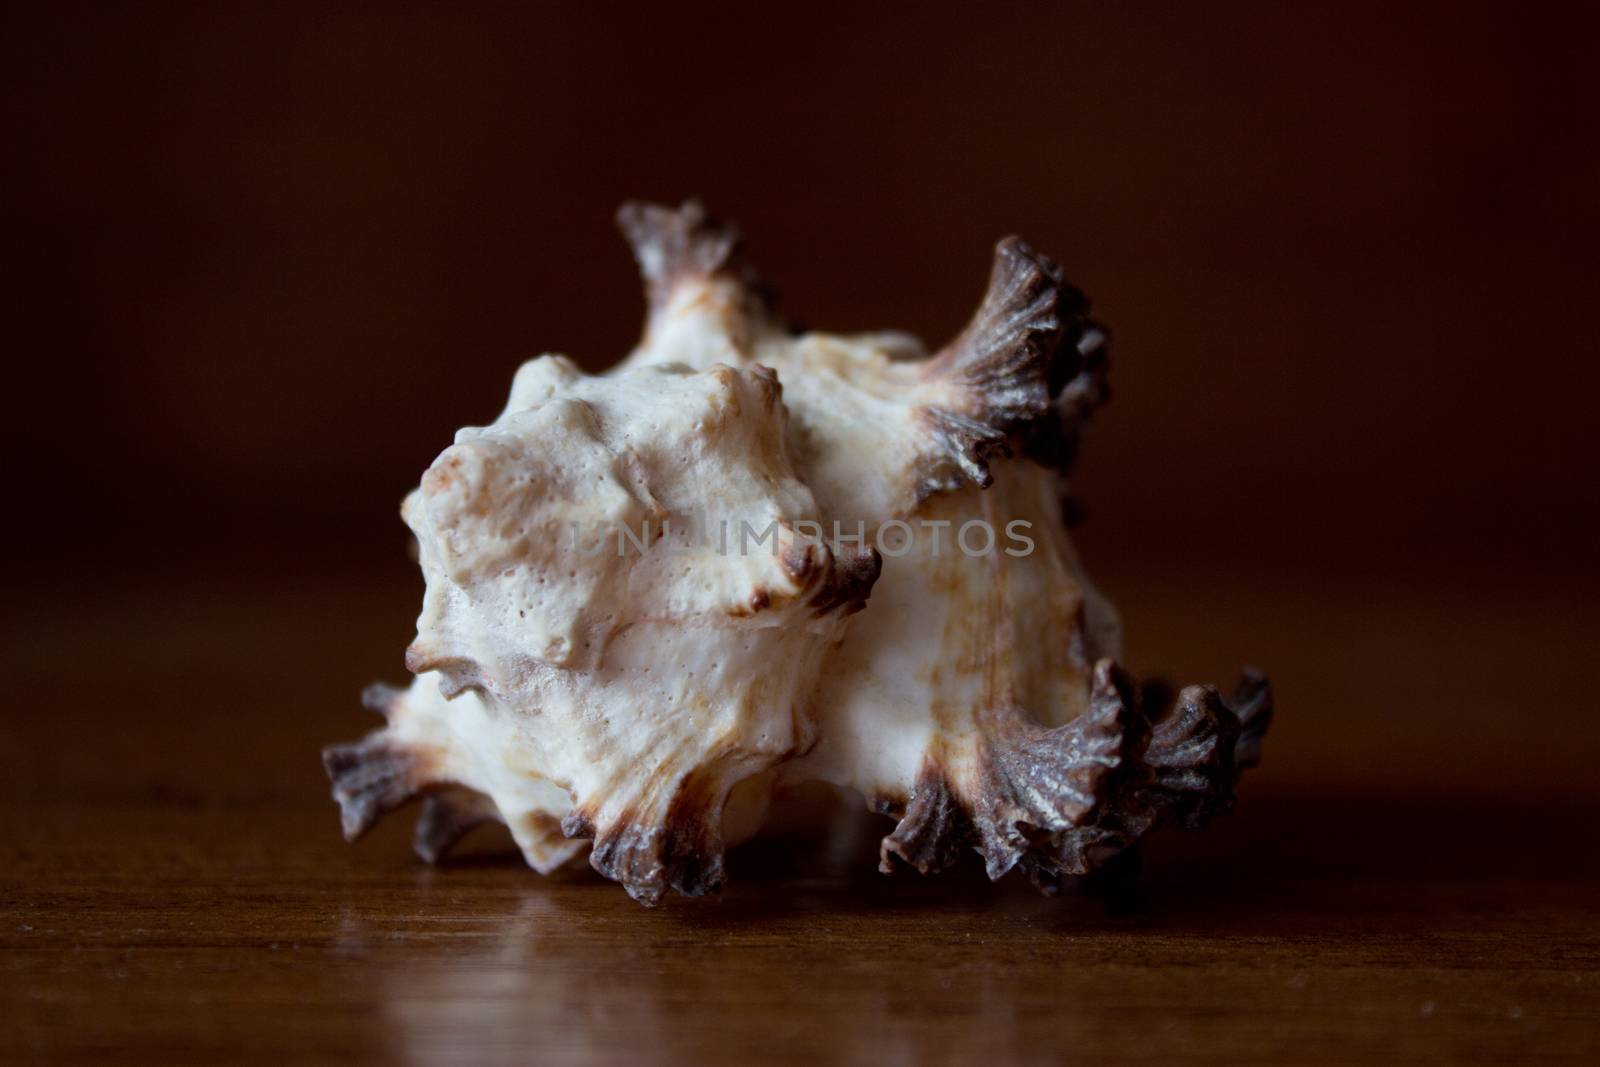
1410	875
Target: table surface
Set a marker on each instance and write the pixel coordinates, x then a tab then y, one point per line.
1410	874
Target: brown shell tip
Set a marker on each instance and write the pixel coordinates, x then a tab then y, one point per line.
674	245
932	831
1191	755
685	856
649	850
849	581
1080	385
1066	801
370	777
1033	782
1025	345
1043	782
446	818
1189	773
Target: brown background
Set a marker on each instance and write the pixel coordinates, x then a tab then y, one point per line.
260	262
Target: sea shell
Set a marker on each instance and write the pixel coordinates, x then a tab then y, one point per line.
747	558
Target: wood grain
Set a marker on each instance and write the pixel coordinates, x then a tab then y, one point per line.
173	886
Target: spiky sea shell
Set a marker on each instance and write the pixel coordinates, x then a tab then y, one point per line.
604	660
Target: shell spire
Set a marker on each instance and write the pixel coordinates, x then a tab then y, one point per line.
694	269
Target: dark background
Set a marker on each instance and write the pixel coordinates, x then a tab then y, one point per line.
261	261
258	262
